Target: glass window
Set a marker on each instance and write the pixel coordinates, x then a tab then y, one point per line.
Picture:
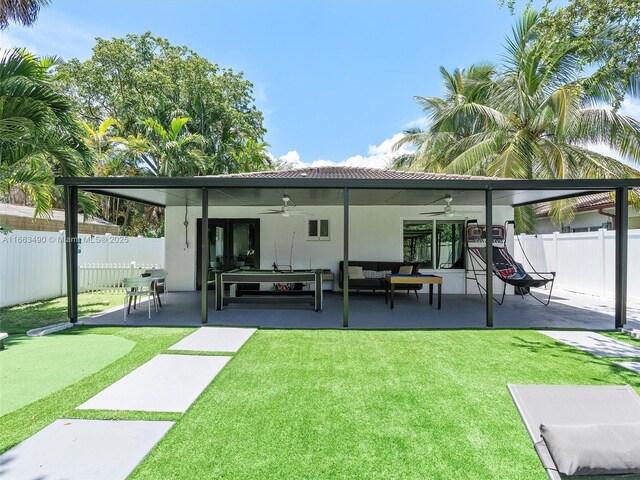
313	229
449	244
318	229
418	242
324	228
447	249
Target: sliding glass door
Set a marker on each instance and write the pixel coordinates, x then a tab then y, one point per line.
233	243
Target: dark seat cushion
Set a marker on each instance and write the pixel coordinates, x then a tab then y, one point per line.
366	283
376	283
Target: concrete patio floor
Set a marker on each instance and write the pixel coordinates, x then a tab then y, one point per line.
368	311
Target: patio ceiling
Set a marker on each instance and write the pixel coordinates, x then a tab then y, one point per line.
238	191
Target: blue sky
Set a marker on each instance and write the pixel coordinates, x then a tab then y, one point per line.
335	80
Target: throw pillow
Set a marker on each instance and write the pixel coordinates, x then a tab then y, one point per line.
355	273
405	269
594	449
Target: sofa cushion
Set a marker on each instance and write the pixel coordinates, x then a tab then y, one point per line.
594	449
366	284
373	273
356	273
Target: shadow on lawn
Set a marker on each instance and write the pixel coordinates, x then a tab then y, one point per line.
560	350
19	319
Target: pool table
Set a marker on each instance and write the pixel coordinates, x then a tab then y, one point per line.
234	277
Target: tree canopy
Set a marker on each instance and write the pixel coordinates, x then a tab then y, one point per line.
603	34
142	77
533	116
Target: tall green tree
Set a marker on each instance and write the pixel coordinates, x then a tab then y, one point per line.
39	136
24	12
531	117
605	35
142	76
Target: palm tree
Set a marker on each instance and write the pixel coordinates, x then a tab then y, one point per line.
168	151
24	12
39	137
532	118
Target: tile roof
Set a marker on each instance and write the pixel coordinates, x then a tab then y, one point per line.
594	200
336	172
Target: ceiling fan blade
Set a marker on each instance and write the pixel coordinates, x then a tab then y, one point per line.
433	213
271	212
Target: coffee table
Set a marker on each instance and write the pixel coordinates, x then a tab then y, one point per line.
393	279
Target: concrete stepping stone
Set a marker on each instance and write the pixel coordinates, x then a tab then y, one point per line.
215	339
594	343
633	366
166	383
83	449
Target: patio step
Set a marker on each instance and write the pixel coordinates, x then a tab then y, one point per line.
80	449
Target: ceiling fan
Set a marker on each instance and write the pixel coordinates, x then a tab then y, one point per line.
446	211
285	210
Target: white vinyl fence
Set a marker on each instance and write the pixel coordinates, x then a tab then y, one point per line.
584	262
32	264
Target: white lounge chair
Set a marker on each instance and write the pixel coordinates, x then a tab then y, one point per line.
583	427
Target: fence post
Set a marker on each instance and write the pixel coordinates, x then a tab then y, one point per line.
107	238
603	262
555	252
63	273
132	268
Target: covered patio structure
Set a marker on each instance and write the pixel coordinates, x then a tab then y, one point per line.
345	189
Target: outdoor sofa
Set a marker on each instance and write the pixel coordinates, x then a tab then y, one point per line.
369	275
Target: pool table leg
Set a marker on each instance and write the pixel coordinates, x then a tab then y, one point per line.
431	294
439	296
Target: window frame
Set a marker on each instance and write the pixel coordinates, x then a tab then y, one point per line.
319	237
434	247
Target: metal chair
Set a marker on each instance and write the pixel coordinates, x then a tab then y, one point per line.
159	276
138	287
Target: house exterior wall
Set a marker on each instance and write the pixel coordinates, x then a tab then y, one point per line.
375	234
583	220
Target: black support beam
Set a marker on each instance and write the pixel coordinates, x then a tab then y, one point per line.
71	249
345	259
488	205
622	236
204	249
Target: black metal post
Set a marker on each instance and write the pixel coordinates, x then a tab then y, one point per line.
622	234
71	248
488	205
345	259
204	259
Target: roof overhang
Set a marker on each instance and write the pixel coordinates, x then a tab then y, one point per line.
248	191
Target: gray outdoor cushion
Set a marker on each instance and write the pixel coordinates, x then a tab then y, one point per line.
594	449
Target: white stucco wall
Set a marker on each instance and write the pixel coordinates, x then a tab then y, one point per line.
375	234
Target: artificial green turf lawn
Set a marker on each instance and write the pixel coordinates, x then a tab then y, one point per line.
33	367
26	421
22	318
372	404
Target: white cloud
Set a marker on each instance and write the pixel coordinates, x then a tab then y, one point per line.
378	156
421	122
